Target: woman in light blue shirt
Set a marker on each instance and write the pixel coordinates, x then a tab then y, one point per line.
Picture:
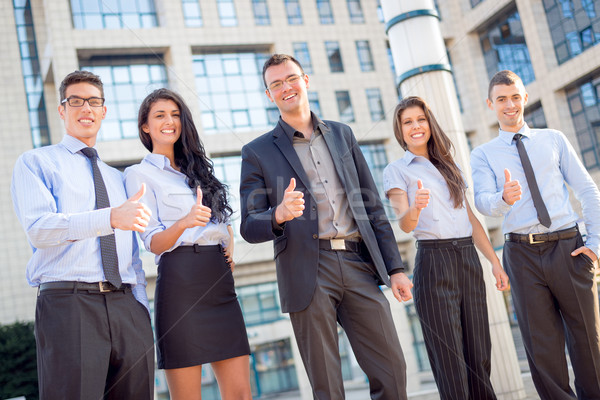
198	318
427	190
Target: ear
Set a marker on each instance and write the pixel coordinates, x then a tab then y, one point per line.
62	111
490	104
269	95
306	81
145	128
103	112
525	99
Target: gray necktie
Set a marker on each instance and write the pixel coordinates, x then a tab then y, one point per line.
108	246
538	202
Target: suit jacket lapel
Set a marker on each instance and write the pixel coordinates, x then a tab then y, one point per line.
334	150
285	146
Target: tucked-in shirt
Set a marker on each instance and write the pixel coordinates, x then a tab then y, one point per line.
554	162
335	216
439	220
53	195
170	198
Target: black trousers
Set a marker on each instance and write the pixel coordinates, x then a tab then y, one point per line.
347	293
450	301
556	297
93	346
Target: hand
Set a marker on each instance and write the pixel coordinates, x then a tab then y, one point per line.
586	251
500	275
421	196
401	286
292	205
131	215
199	215
512	189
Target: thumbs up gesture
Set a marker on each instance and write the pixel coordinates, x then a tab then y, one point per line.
131	215
421	196
199	215
512	189
292	205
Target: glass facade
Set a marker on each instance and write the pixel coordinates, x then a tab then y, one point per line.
302	54
334	56
30	65
584	104
261	12
356	12
574	26
504	47
228	170
377	160
273	367
344	106
325	12
294	13
231	92
375	104
127	81
315	106
260	303
113	14
534	116
365	58
227	14
191	13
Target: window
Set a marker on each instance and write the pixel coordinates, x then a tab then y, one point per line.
534	116
260	303
574	26
30	64
334	56
365	59
127	81
344	106
303	56
294	14
585	112
231	92
115	14
325	12
274	367
380	12
376	160
191	13
313	101
504	47
261	12
375	104
356	12
227	13
228	170
475	2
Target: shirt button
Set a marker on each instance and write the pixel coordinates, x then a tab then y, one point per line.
325	180
332	201
318	162
315	236
454	242
314	208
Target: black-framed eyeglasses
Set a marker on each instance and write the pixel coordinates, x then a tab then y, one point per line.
75	101
291	80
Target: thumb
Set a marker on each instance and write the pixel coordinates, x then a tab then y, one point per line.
198	195
139	194
291	186
506	175
419	184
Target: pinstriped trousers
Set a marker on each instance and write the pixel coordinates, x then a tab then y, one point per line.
450	301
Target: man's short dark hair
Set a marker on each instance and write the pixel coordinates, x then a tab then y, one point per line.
277	59
79	77
504	77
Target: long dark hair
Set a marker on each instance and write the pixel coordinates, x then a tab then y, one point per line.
190	156
439	148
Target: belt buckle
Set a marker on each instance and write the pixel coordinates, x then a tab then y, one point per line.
531	241
101	287
338	244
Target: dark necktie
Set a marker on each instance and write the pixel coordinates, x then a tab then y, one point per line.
538	202
108	246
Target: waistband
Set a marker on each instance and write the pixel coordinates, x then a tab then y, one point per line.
97	287
537	238
445	243
339	245
196	248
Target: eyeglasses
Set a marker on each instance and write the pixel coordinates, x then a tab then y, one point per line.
75	101
291	80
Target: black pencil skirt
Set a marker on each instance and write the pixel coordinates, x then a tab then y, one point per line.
197	316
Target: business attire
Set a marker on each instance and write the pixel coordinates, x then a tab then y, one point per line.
91	336
555	295
331	259
198	319
449	290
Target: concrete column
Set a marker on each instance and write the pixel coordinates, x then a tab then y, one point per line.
423	70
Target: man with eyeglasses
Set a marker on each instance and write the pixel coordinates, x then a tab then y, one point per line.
306	185
92	325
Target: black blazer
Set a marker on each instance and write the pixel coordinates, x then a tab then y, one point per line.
268	164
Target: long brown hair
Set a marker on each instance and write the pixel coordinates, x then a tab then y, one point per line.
439	148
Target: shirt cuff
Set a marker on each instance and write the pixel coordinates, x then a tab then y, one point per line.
396	271
90	224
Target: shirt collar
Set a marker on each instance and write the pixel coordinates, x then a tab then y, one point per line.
73	144
316	122
159	161
410	157
507	137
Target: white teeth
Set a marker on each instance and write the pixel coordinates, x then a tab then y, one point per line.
85	121
289	97
168	131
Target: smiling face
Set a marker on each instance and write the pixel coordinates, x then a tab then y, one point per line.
508	101
83	123
289	99
415	130
163	125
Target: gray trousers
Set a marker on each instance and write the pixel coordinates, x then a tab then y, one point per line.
555	296
347	292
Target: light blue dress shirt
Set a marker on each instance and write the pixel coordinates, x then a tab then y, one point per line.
439	220
53	195
554	162
170	198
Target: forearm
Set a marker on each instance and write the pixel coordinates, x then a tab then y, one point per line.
166	239
481	240
410	219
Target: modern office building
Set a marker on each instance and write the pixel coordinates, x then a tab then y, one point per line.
212	53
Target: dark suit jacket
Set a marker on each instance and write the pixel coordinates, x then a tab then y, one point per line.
268	164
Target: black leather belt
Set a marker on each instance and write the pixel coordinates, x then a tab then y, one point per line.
537	238
444	243
339	244
100	287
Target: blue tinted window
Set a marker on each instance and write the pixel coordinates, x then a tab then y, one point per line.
113	14
261	12
584	106
315	106
365	59
325	12
334	56
534	116
356	12
375	104
344	106
302	54
191	13
227	13
294	13
228	170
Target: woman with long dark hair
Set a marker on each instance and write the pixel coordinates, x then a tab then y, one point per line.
427	190
198	318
